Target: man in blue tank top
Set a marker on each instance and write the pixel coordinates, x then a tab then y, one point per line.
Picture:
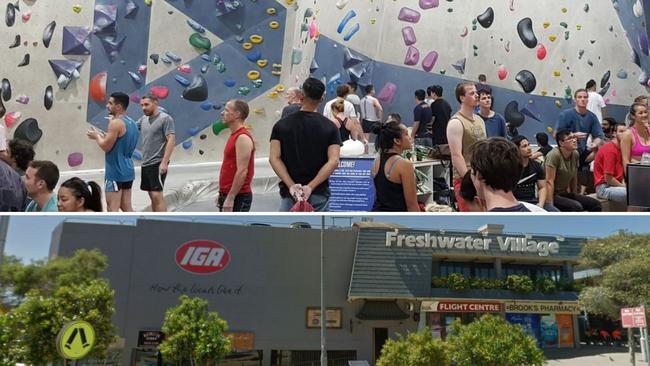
118	142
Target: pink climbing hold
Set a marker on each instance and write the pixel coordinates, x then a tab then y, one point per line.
75	159
541	52
614	93
387	93
428	4
142	69
185	69
11	118
134	98
409	35
409	15
314	32
412	56
26	16
160	92
430	61
503	72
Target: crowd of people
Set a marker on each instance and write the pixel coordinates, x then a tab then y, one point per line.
494	168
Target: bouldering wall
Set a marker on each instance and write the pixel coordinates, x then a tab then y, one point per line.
535	54
195	55
62	60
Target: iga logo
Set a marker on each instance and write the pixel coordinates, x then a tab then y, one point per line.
202	257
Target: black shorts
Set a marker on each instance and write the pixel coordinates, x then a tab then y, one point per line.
152	180
243	202
368	126
112	186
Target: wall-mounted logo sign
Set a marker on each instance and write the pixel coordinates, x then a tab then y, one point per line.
542	248
461	306
202	257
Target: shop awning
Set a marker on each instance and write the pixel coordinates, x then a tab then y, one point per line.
381	310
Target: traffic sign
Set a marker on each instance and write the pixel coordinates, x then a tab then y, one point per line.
75	340
633	317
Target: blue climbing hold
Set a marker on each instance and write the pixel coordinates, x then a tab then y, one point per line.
254	56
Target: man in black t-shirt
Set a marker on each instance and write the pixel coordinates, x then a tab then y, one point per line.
304	151
532	186
421	120
441	112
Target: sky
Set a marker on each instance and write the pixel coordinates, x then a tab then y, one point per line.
29	236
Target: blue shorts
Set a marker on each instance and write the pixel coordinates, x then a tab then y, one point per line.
113	186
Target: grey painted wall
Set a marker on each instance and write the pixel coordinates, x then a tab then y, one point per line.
277	270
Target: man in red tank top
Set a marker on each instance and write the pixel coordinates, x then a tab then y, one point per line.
237	169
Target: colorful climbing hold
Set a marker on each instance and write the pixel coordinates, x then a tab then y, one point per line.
253	75
274	25
200	42
256	39
97	89
75	159
247	45
541	52
262	63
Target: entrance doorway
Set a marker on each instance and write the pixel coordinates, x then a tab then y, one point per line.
380	337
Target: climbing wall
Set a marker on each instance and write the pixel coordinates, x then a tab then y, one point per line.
64	60
535	54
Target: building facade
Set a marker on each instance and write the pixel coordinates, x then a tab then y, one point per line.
265	282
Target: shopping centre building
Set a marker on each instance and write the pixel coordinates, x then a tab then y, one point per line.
379	281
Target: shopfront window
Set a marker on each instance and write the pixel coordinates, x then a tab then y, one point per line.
533	271
480	270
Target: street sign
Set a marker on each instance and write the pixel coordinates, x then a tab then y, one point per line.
75	340
633	317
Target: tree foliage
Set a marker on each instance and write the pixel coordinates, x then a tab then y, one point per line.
493	341
44	296
416	349
194	333
624	262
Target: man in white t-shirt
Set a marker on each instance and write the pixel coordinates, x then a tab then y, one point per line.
372	112
349	112
596	103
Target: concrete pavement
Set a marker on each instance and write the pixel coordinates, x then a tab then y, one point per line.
591	356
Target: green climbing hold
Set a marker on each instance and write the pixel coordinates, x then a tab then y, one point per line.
221	67
218	126
566	35
244	90
200	42
147	2
443	71
216	59
564	25
257	83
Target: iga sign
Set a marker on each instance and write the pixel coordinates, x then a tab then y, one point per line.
505	244
633	317
202	257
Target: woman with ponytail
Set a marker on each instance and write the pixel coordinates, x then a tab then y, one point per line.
75	195
393	176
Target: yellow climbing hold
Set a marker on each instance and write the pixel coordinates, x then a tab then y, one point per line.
547	24
259	111
564	10
578	27
552	38
147	2
563	60
373	21
277	66
76	8
544	93
558	104
274	25
253	75
549	129
270	11
247	46
279	88
262	63
256	39
289	2
556	73
273	94
276	73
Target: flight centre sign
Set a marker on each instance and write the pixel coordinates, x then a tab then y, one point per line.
506	244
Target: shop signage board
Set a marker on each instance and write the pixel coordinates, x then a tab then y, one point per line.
633	317
150	338
241	341
536	307
461	307
334	317
351	186
477	243
75	340
202	257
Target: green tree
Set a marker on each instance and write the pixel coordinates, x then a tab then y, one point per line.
624	262
47	295
194	333
492	341
416	349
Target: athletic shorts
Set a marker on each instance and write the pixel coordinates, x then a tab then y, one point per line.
152	180
368	126
114	186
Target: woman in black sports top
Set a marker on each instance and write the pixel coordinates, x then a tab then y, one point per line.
394	177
